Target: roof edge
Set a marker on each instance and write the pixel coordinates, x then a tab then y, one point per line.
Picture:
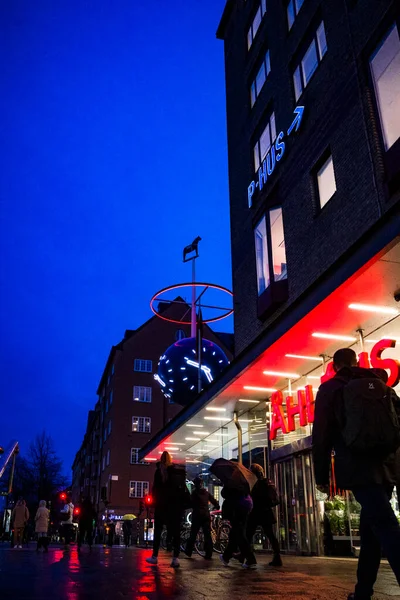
224	19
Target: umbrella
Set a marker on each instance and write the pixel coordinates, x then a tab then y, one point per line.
128	517
233	475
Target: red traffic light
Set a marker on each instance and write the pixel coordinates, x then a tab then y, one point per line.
148	500
63	496
77	510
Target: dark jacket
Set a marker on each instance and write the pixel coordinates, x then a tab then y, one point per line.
351	470
236	503
200	499
170	494
261	505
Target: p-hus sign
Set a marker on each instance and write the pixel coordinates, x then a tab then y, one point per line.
304	408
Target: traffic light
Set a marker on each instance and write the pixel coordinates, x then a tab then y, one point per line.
148	500
63	496
77	511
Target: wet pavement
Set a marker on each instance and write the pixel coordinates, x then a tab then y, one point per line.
118	574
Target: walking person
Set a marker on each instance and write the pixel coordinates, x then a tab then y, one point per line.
127	531
236	509
42	526
201	518
66	525
355	414
264	498
20	516
87	519
171	497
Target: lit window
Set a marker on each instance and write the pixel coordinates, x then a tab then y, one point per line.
269	237
260	79
278	244
310	61
134	456
141	393
138	489
385	69
108	457
326	182
293	10
267	138
260	234
141	424
145	366
262	9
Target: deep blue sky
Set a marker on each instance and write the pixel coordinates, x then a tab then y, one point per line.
114	157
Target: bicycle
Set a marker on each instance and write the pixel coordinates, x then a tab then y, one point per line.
220	529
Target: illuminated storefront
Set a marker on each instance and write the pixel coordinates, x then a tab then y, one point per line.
264	411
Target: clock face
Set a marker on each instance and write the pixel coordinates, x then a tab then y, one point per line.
178	369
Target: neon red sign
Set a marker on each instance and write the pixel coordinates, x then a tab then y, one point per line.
304	409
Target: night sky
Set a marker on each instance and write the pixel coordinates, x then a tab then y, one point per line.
113	158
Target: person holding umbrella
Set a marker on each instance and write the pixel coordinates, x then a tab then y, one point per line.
127	528
238	483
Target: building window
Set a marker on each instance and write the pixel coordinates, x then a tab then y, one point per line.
141	393
293	9
326	182
105	434
103	466
109	427
108	457
107	405
385	69
270	241
141	424
110	398
145	366
260	235
260	79
138	489
254	27
179	335
134	456
87	482
310	61
264	143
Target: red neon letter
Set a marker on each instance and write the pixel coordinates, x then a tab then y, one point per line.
278	420
310	403
299	409
363	360
386	363
329	373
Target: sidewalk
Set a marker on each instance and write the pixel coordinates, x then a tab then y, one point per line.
117	573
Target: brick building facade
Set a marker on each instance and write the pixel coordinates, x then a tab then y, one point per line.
341	119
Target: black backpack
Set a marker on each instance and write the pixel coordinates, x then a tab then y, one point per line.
369	420
177	490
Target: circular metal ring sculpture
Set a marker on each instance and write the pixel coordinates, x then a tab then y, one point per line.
211	286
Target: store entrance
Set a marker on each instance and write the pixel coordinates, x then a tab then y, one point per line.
298	523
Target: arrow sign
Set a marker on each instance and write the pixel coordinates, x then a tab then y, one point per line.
298	111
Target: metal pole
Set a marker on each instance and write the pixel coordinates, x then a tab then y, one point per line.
240	437
361	339
11	480
193	319
199	343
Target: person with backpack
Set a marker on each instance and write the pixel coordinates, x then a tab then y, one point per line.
66	524
265	498
201	518
171	497
357	416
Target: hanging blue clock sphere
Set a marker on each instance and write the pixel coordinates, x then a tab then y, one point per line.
178	369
